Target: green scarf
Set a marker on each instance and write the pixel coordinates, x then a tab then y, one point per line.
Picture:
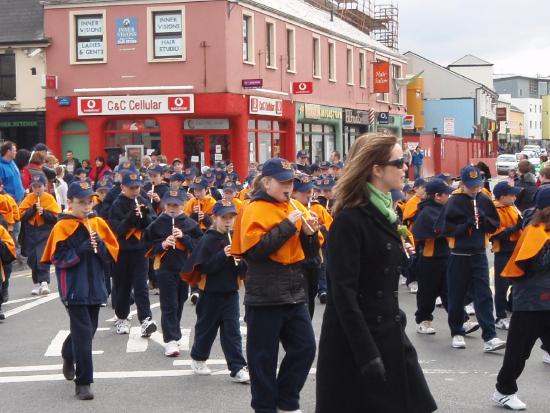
383	202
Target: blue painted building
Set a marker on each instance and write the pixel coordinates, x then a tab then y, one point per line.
462	110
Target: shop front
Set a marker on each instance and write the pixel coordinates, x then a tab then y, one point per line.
356	123
26	129
200	129
318	130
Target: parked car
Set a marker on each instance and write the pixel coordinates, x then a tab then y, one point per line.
505	163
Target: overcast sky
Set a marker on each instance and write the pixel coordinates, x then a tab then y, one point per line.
513	35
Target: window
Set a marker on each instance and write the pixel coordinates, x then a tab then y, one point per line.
168	35
248	39
396	93
349	65
318	141
270	45
7	76
264	140
530	124
317	57
362	69
331	61
290	50
89	38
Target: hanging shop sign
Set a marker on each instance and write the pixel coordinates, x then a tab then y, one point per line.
381	77
265	106
408	122
135	105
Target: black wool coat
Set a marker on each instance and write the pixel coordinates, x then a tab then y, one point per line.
363	321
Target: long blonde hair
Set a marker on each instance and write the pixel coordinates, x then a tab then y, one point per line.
367	150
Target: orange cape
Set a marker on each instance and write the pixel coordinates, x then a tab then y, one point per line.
508	217
258	218
411	208
6	238
46	202
324	217
532	240
206	206
67	227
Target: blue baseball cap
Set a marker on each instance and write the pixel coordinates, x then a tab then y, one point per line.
303	183
199	183
223	207
503	188
79	190
279	169
189	176
445	176
230	186
79	171
325	165
105	183
108	172
419	182
38	179
155	169
407	188
438	186
209	176
130	179
325	183
338	165
177	177
542	198
250	178
220	166
471	176
174	197
397	195
302	154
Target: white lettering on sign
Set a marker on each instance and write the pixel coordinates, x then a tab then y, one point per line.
168	23
168	47
135	105
89	50
265	106
90	26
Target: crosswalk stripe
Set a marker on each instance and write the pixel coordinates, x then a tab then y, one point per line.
21	300
24	369
210	362
28	306
54	349
134	312
136	343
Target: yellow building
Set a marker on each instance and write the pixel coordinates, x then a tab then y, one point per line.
515	123
545	118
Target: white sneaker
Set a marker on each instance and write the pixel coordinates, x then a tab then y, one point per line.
470	326
171	349
493	345
242	376
511	402
438	302
470	310
503	323
402	280
35	289
122	326
44	288
200	368
425	327
458	342
288	411
546	358
148	327
413	287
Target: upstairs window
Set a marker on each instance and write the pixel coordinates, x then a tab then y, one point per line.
317	57
248	39
90	38
168	38
7	76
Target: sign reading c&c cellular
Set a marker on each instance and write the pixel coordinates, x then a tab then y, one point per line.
135	105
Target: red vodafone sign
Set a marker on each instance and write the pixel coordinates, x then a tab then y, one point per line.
135	105
302	88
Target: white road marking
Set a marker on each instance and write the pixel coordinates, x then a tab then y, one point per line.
23	369
210	362
136	343
21	300
185	337
28	306
103	328
54	349
134	312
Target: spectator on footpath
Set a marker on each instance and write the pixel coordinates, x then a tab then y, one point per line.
302	162
335	157
527	181
86	166
71	162
417	161
98	170
146	162
9	172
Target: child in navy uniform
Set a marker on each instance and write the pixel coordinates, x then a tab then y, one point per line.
79	247
217	273
7	255
173	235
129	216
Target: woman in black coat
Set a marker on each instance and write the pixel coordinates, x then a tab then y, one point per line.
366	363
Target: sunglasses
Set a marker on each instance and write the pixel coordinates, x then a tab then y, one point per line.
398	163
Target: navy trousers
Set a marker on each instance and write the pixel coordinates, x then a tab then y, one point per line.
77	347
219	311
130	272
464	272
173	293
502	285
432	283
267	326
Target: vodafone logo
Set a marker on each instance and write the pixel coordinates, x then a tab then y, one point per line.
179	104
91	105
302	88
253	105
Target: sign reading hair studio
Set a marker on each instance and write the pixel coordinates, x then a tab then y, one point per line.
168	36
135	105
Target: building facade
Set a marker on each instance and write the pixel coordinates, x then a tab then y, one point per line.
22	73
261	79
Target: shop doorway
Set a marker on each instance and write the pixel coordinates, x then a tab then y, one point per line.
205	149
74	137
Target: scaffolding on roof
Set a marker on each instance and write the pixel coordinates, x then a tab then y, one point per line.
381	21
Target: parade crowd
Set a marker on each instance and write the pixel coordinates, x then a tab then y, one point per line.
343	234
